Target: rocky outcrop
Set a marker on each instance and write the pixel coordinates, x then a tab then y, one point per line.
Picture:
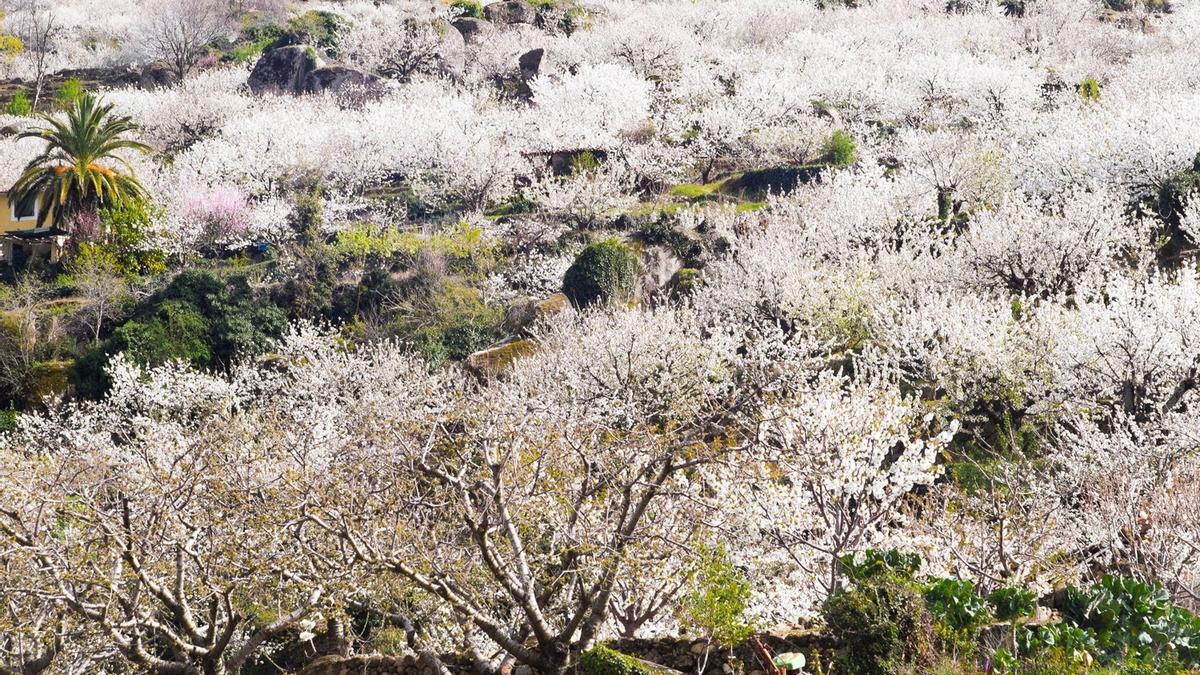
452	50
474	31
510	12
285	70
530	63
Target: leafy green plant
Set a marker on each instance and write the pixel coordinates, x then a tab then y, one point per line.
874	563
604	272
662	230
584	162
8	418
69	93
200	318
840	149
127	238
1011	603
1089	89
20	105
1131	618
1077	644
958	613
314	27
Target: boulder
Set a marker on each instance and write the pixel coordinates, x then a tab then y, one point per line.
659	267
474	31
510	12
344	81
523	314
285	70
157	75
531	63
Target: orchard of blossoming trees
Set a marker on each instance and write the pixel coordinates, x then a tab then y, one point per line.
472	337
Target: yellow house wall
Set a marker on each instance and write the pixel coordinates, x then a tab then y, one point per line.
7	223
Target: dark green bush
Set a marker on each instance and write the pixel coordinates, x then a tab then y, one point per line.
199	318
457	341
176	331
662	230
605	272
8	418
757	184
602	660
881	626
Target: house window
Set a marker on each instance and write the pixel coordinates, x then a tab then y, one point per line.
26	209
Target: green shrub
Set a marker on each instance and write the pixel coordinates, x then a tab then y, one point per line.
662	230
602	660
715	605
69	92
881	627
1011	603
757	184
307	216
584	162
874	563
255	41
446	321
8	418
958	613
1134	619
176	331
604	272
201	318
20	105
314	27
1089	89
470	8
839	149
685	282
128	230
454	342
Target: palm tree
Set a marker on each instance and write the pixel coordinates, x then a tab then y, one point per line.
70	177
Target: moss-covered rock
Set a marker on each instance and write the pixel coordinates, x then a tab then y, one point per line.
495	361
